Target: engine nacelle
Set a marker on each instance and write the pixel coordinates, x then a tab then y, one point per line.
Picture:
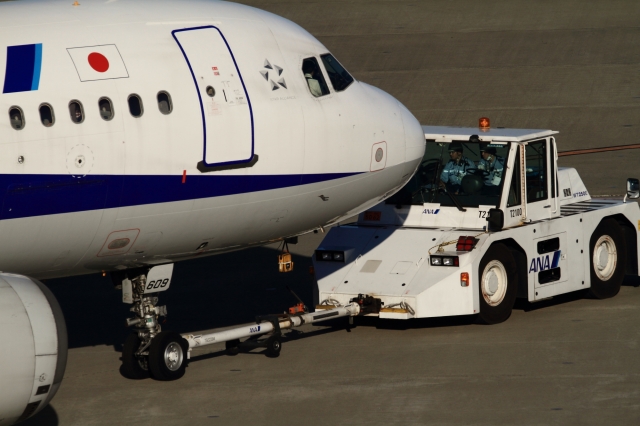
33	347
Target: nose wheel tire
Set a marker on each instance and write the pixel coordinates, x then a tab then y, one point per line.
274	345
498	284
168	356
608	259
133	367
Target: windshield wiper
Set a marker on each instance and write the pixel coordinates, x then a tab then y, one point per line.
455	200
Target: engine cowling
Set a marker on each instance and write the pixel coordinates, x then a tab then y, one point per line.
33	347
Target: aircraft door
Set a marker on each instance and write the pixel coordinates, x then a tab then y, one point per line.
227	117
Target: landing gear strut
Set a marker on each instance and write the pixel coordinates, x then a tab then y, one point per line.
149	351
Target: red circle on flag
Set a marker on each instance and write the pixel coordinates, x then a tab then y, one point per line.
98	62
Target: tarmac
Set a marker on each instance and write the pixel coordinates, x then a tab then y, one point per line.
566	65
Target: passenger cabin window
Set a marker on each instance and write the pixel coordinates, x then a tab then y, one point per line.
16	117
314	77
340	78
536	162
106	108
471	173
46	115
135	105
76	112
211	92
164	103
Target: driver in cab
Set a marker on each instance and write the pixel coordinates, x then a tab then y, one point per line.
492	164
455	169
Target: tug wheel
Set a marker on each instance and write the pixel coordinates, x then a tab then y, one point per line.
498	284
274	345
607	250
232	347
168	356
133	367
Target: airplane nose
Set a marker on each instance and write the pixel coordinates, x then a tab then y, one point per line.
402	131
413	135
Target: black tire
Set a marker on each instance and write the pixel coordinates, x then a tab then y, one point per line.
274	346
133	367
168	356
608	259
232	347
498	284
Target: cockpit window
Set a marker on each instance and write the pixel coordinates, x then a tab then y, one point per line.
340	78
472	172
314	77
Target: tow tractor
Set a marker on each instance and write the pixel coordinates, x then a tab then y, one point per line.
488	217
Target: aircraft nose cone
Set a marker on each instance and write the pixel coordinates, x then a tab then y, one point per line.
413	135
392	122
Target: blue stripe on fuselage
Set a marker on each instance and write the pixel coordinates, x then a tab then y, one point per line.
37	67
38	195
21	73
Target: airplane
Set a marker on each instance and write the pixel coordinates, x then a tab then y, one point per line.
136	134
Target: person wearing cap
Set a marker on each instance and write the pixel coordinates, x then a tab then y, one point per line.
492	164
456	168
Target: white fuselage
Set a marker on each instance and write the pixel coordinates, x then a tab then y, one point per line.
261	160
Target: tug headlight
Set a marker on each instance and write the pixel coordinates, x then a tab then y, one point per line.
330	255
445	261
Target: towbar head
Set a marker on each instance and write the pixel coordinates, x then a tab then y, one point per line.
368	304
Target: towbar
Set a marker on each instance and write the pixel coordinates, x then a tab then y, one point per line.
263	327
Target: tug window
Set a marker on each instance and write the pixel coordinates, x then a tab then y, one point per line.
536	160
46	115
106	109
164	103
135	105
16	117
314	77
76	112
340	78
514	190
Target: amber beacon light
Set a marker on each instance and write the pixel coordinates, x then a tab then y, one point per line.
484	123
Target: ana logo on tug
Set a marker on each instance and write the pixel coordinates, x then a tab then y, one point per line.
544	262
430	211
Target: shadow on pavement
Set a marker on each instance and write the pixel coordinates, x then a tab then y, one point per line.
46	417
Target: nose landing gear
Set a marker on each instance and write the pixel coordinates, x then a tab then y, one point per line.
149	351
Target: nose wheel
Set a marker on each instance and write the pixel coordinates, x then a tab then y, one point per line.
135	367
168	356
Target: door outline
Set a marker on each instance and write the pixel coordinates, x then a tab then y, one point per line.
203	166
